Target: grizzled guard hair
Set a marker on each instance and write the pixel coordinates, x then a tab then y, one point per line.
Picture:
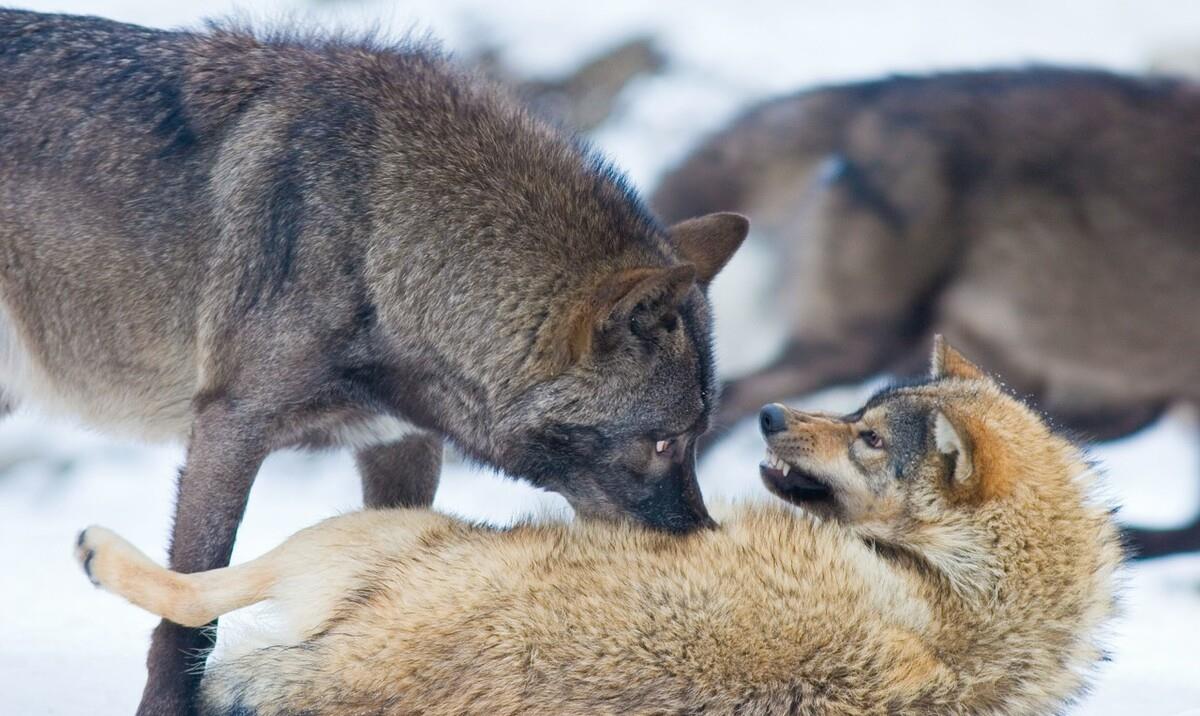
253	242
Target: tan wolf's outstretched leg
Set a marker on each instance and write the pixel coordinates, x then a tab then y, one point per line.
191	600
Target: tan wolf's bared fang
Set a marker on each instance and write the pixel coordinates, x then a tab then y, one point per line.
251	242
944	554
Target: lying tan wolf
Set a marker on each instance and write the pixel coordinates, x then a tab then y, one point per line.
948	558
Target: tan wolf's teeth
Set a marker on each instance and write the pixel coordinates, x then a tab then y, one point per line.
660	446
775	462
786	469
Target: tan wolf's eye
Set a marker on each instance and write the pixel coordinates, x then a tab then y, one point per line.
872	439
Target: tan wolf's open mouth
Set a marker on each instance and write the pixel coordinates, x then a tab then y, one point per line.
789	482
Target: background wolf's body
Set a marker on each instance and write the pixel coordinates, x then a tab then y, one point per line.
1044	219
254	243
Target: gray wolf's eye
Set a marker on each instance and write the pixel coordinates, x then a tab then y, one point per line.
872	439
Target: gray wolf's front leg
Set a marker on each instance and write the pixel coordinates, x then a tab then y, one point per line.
226	449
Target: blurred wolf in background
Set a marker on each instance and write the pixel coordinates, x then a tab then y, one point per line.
1046	219
251	243
586	97
962	567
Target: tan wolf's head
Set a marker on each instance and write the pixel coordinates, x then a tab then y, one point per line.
921	467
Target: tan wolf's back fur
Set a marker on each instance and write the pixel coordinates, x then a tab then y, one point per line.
991	604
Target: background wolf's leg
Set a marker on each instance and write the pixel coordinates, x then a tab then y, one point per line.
402	473
1145	543
224	454
1111	424
801	369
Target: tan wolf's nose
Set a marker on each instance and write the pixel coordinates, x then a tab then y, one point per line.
772	419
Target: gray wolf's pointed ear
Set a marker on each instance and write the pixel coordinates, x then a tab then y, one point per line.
949	363
657	290
708	242
639	299
954	442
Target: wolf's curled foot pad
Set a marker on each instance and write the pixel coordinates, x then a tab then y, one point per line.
92	549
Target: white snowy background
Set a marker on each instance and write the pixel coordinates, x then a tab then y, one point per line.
67	649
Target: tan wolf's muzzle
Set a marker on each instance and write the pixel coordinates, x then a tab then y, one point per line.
776	418
796	441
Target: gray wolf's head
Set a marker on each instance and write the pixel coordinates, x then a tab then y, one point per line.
615	426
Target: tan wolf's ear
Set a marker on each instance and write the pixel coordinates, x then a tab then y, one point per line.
635	297
708	242
949	363
954	443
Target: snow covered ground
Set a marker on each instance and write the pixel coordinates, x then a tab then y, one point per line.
66	649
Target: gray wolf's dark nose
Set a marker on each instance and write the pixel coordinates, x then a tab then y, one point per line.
772	419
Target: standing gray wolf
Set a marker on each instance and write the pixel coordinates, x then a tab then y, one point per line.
1046	220
252	243
956	563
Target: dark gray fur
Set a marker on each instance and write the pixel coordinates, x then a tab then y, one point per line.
252	243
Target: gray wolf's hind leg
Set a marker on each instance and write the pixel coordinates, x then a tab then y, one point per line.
403	473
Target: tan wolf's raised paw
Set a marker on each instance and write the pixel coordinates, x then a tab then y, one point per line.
105	556
84	555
